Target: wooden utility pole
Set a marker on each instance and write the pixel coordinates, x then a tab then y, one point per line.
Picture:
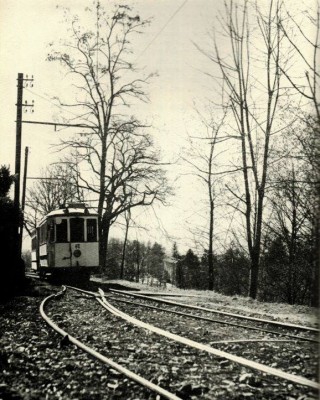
24	178
18	144
19	105
24	194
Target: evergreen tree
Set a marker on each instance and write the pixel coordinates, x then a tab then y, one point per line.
233	272
178	266
12	271
156	263
191	266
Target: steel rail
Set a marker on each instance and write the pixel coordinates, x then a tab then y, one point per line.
31	275
199	317
88	292
93	294
142	381
239	360
211	310
251	341
167	294
218	321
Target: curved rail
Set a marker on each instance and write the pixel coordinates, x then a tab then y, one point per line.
211	310
144	382
240	360
93	294
218	321
32	275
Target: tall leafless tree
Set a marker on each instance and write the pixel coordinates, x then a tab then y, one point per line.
251	75
304	40
203	162
122	168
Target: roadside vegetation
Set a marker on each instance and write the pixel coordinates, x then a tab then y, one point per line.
149	264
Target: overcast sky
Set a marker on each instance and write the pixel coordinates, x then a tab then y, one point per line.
167	47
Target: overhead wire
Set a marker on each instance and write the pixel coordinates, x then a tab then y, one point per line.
162	29
50	101
47	99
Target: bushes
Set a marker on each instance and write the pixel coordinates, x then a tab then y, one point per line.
12	271
286	278
283	278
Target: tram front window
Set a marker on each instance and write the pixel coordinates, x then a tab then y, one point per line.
61	230
91	230
76	230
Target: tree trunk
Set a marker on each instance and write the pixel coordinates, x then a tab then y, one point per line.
124	249
255	253
210	253
254	272
103	244
316	256
138	262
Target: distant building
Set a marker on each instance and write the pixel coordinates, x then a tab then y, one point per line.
169	265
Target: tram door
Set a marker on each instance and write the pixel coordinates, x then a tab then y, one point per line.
77	242
62	245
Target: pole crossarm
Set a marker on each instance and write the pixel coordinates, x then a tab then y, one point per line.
46	179
59	124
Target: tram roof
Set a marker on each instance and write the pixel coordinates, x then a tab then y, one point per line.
71	211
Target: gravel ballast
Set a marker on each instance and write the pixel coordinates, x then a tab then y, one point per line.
35	362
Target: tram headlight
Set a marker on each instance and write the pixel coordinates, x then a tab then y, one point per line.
77	253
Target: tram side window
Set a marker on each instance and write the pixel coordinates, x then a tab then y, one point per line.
43	233
61	231
51	231
77	230
91	230
33	243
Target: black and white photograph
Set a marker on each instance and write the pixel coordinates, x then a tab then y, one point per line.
159	199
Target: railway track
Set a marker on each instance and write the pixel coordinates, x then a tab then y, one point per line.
131	375
218	372
271	327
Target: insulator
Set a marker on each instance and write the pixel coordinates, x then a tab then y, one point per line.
26	85
27	76
25	102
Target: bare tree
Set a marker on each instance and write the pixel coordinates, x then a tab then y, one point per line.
57	187
127	217
305	47
291	222
203	163
306	82
122	168
251	78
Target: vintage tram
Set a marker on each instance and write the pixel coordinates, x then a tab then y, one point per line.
66	243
